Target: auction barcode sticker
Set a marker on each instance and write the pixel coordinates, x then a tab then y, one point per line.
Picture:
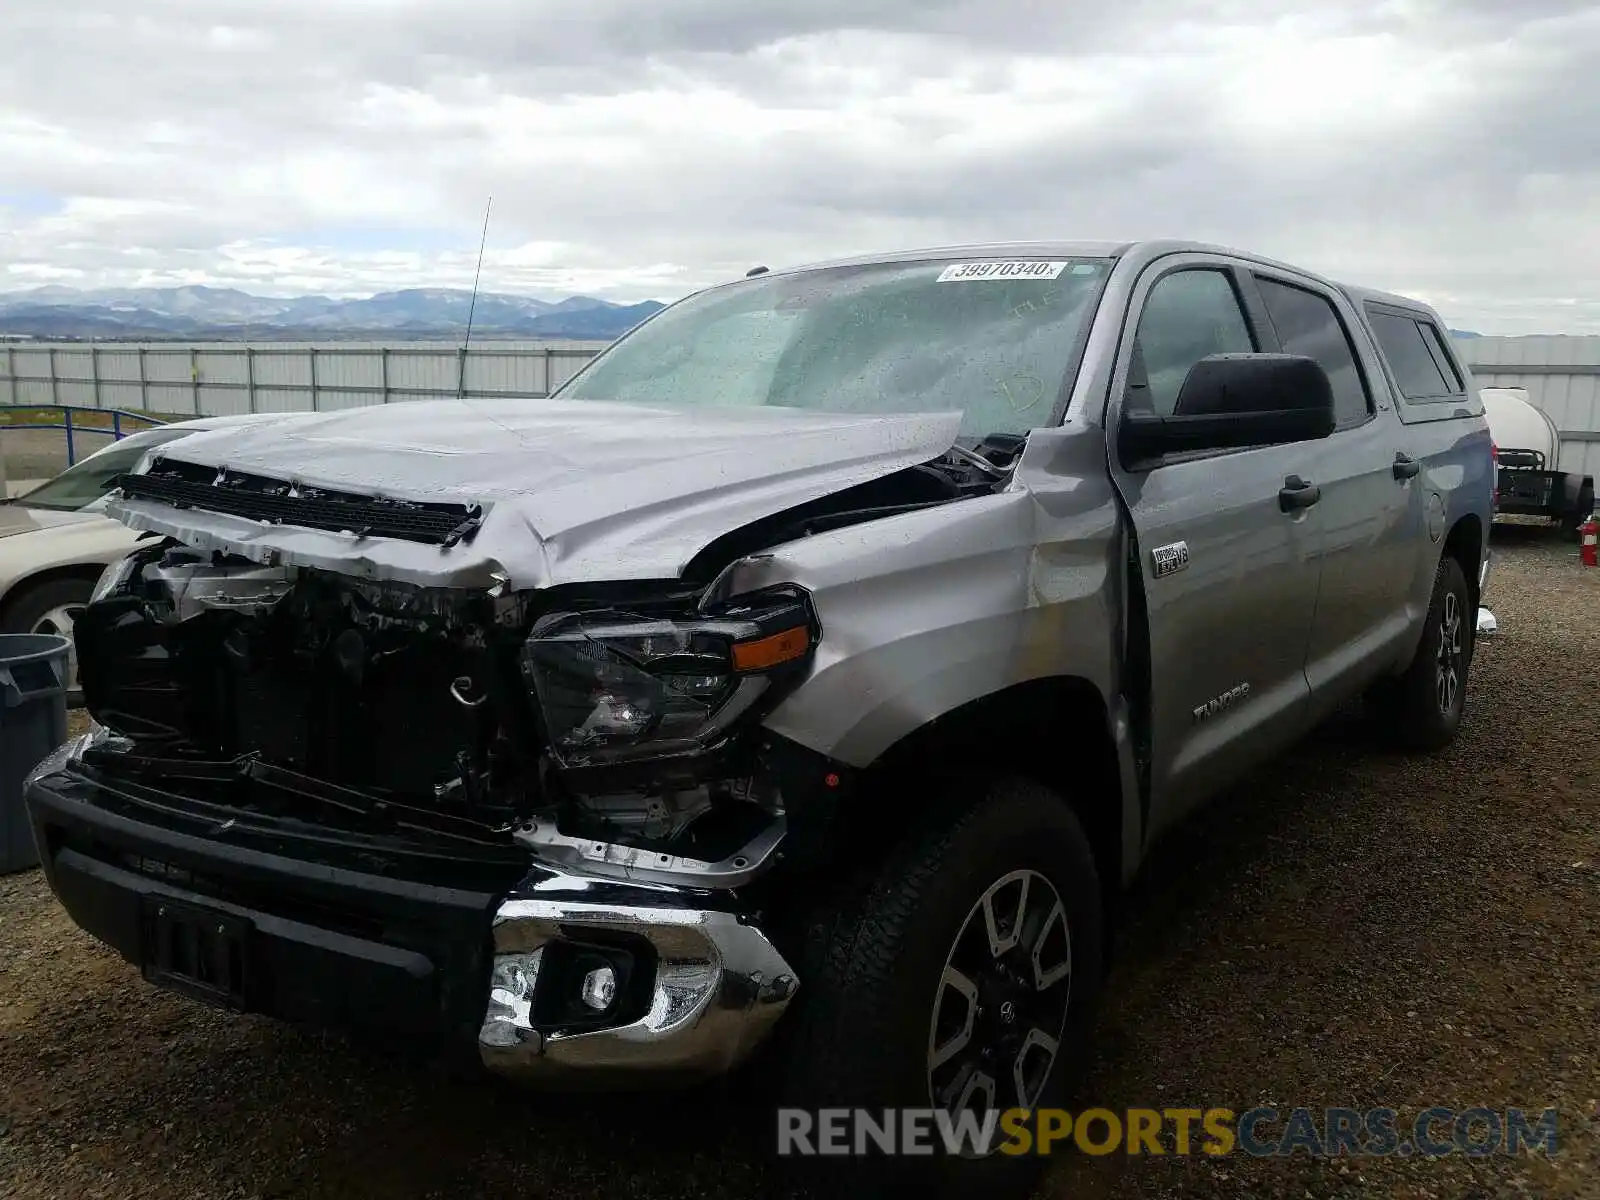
1010	269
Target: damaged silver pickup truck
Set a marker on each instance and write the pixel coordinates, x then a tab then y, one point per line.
807	676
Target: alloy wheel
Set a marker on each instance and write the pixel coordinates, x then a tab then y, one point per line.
59	620
1000	1010
1447	669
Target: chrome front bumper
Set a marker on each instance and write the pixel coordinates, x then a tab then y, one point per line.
705	985
710	986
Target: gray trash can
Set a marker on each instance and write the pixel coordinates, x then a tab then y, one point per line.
33	722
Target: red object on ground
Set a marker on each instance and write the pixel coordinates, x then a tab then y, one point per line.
1589	531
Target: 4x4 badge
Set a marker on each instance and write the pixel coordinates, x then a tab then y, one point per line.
1168	560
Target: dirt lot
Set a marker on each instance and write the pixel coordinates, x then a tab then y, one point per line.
42	453
1349	930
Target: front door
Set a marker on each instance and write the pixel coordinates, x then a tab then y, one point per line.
1226	548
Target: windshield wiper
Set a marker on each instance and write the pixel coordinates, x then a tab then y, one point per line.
974	459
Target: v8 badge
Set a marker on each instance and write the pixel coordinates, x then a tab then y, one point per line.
1169	560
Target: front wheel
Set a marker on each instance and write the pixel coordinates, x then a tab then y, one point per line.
1421	709
962	976
50	607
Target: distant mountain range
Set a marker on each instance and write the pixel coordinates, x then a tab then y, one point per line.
229	314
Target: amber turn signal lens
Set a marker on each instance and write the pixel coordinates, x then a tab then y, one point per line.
771	650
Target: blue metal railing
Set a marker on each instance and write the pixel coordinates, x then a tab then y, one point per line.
118	416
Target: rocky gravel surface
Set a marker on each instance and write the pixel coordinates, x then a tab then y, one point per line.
42	453
1350	929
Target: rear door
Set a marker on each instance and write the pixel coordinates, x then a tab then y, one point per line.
1443	429
1228	567
1371	514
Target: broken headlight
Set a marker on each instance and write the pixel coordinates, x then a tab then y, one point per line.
115	575
612	686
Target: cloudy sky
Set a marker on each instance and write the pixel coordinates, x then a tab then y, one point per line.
642	148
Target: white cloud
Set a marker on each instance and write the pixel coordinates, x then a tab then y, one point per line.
637	149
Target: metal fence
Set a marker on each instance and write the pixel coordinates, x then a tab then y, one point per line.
221	379
1562	375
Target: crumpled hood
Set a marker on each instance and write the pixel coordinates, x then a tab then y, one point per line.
572	490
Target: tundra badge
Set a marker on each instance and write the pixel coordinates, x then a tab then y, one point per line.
1169	560
1238	692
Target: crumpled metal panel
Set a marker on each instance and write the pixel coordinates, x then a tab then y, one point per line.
572	490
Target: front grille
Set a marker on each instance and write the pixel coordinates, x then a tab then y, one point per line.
258	498
252	807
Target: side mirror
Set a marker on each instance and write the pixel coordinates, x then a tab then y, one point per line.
1234	401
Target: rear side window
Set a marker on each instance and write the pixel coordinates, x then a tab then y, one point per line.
1416	354
1441	355
1307	324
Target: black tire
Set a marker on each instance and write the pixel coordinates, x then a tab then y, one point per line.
26	609
871	988
1420	710
1573	521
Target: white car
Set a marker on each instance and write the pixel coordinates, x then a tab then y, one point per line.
55	541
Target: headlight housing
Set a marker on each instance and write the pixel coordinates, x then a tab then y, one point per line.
614	686
113	577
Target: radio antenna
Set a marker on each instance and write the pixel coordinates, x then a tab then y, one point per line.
472	305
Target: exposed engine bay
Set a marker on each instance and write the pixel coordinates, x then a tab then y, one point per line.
609	731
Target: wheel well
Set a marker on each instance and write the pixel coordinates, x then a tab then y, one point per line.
89	572
1464	543
1055	731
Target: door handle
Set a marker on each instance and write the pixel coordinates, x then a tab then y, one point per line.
1296	494
1405	467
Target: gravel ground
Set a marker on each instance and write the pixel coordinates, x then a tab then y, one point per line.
1349	930
42	453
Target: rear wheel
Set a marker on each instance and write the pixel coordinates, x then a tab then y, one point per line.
1421	709
961	976
1573	521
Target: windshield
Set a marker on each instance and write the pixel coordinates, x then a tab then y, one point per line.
87	481
993	340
